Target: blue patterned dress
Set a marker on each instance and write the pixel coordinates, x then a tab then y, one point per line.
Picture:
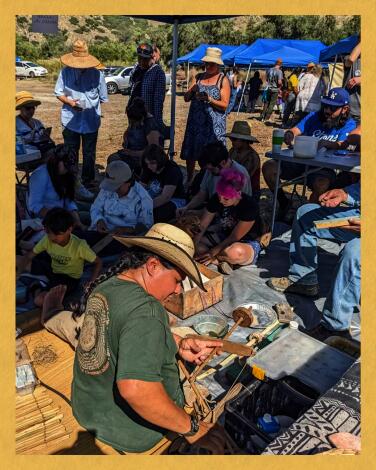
205	123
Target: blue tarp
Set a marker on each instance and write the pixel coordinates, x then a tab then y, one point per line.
263	46
228	57
196	55
290	56
344	46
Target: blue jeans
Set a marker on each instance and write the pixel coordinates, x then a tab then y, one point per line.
345	291
344	294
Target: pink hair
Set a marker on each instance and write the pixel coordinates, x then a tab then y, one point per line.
230	184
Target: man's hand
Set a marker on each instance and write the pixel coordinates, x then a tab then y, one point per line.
210	436
355	226
333	198
205	258
197	350
288	137
180	212
353	82
102	227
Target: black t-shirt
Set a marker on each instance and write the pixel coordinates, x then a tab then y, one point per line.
245	211
136	82
171	175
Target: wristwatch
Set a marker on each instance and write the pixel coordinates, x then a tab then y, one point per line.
194	427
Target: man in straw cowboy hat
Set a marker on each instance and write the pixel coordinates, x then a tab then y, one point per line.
242	152
81	88
126	385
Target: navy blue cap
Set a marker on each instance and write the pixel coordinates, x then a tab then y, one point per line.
336	97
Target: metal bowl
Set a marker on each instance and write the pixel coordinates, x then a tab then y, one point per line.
209	324
263	315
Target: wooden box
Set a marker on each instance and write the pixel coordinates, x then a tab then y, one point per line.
195	300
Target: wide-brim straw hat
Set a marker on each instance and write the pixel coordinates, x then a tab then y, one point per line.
310	65
242	130
170	243
213	54
25	98
80	57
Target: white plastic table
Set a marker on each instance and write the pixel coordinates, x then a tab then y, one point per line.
323	159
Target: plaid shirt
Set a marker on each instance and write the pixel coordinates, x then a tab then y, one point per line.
153	91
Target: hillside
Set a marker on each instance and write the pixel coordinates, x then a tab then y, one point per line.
114	37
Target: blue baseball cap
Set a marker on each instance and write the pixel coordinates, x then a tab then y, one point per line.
336	97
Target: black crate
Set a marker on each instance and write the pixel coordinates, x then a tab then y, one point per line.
288	397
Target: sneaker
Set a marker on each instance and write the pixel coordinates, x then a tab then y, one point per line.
84	194
321	333
225	268
284	284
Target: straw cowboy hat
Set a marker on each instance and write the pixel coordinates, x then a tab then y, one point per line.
213	54
170	243
80	57
25	98
242	130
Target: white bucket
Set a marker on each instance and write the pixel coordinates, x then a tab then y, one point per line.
305	146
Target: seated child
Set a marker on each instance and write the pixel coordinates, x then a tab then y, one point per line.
67	254
243	153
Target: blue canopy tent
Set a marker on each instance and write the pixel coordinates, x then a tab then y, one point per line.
290	56
342	47
263	46
228	57
294	52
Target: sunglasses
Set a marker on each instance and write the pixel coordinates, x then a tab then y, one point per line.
209	64
29	107
331	107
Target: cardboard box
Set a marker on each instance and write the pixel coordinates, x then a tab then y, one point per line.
195	300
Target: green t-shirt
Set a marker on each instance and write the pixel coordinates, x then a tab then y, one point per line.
125	335
68	259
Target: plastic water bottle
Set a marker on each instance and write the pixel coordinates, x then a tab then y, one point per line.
20	148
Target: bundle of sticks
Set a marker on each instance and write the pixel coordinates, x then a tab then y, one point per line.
38	422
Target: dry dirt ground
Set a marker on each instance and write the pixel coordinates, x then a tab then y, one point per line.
114	121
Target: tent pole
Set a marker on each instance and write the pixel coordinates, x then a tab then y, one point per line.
334	68
246	79
173	84
188	77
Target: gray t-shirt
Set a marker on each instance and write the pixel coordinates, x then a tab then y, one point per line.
209	181
273	76
354	92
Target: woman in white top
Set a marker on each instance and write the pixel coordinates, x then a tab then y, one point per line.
311	89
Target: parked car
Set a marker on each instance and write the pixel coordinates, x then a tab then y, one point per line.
119	80
111	69
29	69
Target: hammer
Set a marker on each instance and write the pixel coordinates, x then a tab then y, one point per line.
242	317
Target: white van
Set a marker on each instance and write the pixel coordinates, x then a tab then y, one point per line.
29	69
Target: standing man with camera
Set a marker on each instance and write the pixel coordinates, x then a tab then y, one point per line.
148	81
